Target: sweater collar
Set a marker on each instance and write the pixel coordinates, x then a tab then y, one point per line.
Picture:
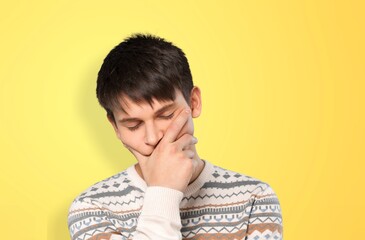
191	188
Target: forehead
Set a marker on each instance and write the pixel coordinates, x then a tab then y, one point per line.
128	107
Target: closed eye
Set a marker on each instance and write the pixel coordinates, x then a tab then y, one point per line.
163	117
167	117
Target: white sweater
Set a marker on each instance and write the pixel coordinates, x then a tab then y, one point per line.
219	204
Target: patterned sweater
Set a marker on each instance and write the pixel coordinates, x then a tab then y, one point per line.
219	204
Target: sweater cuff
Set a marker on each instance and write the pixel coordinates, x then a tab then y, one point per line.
163	202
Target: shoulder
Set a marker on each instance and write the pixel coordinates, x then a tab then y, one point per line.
226	178
113	183
107	187
263	206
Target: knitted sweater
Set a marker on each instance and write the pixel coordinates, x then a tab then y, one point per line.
219	204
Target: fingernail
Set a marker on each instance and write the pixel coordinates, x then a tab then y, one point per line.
195	140
187	110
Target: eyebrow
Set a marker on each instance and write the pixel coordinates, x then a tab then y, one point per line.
159	111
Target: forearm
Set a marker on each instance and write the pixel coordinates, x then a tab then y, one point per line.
160	215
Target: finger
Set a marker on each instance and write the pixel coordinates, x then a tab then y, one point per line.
189	153
186	141
175	127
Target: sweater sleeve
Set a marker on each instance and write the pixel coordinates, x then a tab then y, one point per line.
88	221
265	219
160	215
159	218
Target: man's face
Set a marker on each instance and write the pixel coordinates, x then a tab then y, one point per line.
143	127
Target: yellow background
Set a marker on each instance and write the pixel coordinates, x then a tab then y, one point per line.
283	101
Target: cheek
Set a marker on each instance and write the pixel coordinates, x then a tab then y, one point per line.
129	140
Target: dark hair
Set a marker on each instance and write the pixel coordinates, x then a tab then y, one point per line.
143	67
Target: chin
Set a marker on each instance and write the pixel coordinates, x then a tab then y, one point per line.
147	155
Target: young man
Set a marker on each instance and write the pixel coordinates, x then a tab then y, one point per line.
145	86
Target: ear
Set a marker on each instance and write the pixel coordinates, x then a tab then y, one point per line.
115	127
195	102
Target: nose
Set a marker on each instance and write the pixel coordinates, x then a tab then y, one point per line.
153	134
